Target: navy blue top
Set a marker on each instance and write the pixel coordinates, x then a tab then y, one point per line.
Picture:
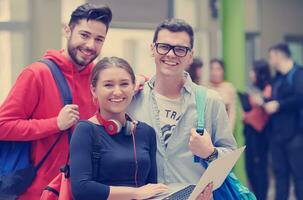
117	164
288	91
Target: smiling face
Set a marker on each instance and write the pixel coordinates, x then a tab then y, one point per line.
85	41
114	90
171	64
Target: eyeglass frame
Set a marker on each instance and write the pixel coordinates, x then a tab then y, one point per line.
171	47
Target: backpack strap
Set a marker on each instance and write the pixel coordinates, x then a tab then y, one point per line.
61	82
96	155
65	96
200	95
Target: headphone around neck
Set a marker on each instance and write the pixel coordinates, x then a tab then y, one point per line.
113	126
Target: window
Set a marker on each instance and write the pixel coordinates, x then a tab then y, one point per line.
14	40
132	45
5	69
4	10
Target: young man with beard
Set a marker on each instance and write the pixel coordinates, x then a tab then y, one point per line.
168	104
33	109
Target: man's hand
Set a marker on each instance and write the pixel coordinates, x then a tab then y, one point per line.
200	145
207	193
68	116
140	81
271	107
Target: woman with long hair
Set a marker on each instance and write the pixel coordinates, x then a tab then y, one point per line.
126	149
255	129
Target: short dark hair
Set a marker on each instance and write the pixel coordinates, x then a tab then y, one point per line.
109	62
283	48
101	13
220	62
197	63
262	72
175	25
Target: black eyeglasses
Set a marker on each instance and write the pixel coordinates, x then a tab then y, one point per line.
163	49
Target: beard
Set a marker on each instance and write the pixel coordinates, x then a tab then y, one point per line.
72	51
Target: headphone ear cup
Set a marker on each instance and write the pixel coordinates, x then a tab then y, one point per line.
112	127
128	128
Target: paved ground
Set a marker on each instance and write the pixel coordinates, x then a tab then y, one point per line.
272	191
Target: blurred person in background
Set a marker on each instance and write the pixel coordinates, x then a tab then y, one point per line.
195	70
255	129
285	110
224	88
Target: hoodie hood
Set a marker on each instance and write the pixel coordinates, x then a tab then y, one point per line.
64	63
79	81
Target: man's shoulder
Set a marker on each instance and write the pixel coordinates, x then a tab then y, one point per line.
33	71
37	68
213	100
299	69
211	95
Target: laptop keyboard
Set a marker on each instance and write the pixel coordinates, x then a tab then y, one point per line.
181	194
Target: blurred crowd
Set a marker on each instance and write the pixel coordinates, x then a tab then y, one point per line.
272	117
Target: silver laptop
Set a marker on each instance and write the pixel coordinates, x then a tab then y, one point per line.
216	173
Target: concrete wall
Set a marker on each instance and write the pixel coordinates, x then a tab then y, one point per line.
46	26
279	18
252	17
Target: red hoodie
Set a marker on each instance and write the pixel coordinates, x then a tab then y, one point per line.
30	112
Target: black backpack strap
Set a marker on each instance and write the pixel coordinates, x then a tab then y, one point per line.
96	155
66	97
61	82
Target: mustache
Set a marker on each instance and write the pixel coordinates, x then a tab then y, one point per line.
88	49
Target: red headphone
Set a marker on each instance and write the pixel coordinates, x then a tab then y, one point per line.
113	126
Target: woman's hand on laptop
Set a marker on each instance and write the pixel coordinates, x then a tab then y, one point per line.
200	145
207	193
150	190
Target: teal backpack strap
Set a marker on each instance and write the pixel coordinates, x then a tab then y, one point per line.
200	95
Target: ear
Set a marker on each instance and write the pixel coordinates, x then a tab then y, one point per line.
191	57
67	31
93	91
152	48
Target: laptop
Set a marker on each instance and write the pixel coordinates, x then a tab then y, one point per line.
216	173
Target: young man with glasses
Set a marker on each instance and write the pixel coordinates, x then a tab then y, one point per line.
168	104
